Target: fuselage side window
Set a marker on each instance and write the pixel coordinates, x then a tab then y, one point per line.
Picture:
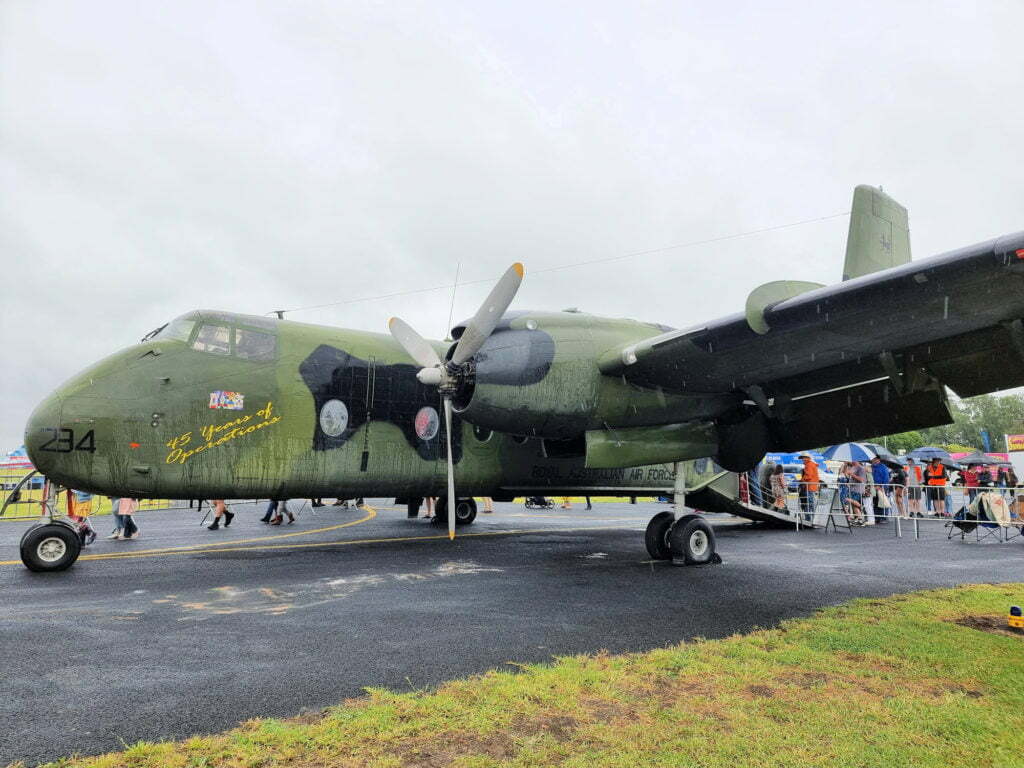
215	339
254	345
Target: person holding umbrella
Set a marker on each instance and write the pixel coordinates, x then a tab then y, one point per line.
970	479
880	479
851	507
935	481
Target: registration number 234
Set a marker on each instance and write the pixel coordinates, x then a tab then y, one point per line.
63	441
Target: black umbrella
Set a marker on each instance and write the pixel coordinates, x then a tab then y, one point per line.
983	458
882	452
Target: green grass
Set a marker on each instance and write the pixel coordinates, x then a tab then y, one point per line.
890	682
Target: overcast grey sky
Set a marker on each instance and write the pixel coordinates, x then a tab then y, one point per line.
159	157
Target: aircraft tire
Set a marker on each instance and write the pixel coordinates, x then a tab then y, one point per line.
465	511
656	535
692	541
50	547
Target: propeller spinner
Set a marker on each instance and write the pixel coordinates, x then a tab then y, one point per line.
446	376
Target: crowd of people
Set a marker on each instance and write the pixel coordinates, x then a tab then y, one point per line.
876	490
867	492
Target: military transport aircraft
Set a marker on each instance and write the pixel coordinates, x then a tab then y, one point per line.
221	405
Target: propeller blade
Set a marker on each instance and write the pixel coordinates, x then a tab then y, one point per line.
448	435
419	349
487	317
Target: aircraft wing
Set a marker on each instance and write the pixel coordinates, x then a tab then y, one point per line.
864	357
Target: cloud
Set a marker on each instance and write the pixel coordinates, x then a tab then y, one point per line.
253	156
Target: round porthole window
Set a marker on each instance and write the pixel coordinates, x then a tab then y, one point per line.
333	418
427	423
482	434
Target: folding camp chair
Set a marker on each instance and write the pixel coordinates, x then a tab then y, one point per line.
977	518
964	521
1002	515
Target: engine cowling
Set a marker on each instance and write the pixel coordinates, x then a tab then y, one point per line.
523	383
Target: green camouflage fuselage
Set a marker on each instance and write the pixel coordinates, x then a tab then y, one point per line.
222	405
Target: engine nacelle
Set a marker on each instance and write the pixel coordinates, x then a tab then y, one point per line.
538	375
523	383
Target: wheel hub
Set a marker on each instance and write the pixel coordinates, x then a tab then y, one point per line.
698	543
51	549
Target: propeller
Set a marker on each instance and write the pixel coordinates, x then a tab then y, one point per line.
447	376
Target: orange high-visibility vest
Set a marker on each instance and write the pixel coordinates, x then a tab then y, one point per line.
936	476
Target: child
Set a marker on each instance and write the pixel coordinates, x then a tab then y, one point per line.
79	507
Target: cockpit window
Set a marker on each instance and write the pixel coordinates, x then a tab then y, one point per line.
176	330
213	338
254	345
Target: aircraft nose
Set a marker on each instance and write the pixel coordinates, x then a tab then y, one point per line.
43	435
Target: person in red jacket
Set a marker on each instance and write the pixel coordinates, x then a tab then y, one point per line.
969	477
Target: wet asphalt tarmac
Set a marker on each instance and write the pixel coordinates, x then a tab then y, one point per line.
162	643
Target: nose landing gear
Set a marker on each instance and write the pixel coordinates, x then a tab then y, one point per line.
686	541
53	545
50	547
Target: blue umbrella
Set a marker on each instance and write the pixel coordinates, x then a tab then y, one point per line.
850	452
929	452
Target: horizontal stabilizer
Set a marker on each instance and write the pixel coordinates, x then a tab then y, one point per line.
764	296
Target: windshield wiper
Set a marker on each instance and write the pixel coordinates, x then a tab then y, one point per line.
153	333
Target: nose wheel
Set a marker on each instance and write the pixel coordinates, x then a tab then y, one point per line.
50	547
686	541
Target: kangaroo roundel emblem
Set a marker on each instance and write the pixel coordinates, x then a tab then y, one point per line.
427	423
333	418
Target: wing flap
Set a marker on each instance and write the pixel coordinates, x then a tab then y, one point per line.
859	412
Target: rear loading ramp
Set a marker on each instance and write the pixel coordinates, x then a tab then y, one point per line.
719	491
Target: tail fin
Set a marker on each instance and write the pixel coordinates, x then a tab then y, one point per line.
879	236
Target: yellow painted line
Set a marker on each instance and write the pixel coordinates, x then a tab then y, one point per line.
215	547
336	543
602	518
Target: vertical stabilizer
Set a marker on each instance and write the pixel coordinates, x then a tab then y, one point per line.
879	236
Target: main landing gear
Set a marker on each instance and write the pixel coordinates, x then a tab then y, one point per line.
686	541
465	510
